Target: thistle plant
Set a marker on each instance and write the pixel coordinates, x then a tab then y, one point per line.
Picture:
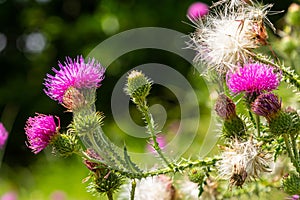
256	129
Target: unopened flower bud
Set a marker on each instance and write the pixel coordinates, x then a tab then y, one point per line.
291	184
280	121
104	180
289	44
138	86
293	15
196	175
233	126
225	108
281	124
65	144
267	105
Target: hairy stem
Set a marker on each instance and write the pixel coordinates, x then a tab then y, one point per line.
295	149
143	107
289	75
290	152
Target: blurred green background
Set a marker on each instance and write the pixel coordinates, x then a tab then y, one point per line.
34	35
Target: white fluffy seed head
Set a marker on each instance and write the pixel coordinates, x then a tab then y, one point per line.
228	35
150	188
245	159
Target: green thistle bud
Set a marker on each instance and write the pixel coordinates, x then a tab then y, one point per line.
138	86
288	44
286	122
84	124
225	108
196	175
105	180
65	144
293	15
234	127
291	184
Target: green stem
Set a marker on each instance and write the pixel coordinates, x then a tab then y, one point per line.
252	118
290	153
132	192
258	126
295	149
183	166
143	107
109	195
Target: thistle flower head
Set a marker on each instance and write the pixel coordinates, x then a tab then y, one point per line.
138	86
266	105
40	130
253	78
242	161
3	135
73	73
197	10
157	187
228	34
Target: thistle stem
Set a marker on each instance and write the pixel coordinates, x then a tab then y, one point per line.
290	153
109	195
258	125
132	192
295	150
290	76
143	107
183	166
252	118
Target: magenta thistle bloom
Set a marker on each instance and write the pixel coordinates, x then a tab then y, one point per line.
253	78
40	131
9	196
74	73
3	135
197	10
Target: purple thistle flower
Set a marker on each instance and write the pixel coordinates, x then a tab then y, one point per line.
3	135
197	10
295	197
253	78
74	73
9	196
40	130
266	105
